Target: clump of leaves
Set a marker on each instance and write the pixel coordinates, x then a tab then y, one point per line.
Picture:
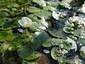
27	25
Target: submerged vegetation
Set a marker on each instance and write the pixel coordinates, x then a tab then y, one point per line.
42	31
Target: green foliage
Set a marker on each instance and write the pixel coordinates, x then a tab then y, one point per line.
38	28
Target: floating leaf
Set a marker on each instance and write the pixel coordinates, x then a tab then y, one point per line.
47	43
66	3
82	41
6	35
33	57
56	15
70	44
26	62
82	52
33	10
40	2
43	22
22	2
1	21
83	8
39	26
44	13
25	52
56	54
41	38
57	33
52	42
68	30
25	22
77	32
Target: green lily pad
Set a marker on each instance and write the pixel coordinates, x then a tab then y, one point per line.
40	38
28	54
70	44
25	51
82	52
56	54
58	34
26	62
40	2
77	32
6	35
34	10
82	41
52	42
44	13
68	29
1	21
33	57
22	1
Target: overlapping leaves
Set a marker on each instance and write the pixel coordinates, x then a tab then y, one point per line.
37	33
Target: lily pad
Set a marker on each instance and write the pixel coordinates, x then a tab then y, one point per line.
56	54
25	51
6	35
82	41
82	52
70	44
40	2
25	22
77	32
33	10
41	38
57	33
52	42
33	57
44	13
